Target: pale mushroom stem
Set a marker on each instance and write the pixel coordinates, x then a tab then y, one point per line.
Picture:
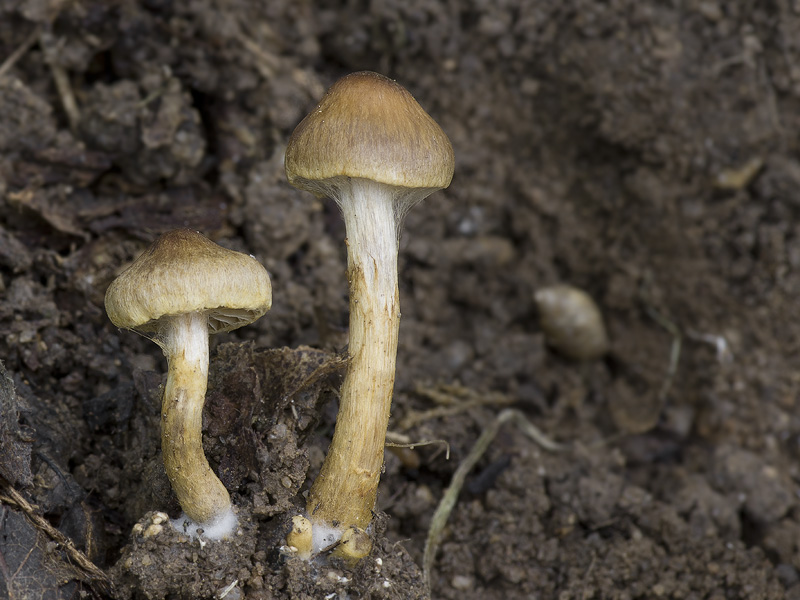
344	494
184	340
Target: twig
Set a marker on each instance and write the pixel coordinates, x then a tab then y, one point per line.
4	570
266	63
20	52
91	571
61	79
64	88
450	496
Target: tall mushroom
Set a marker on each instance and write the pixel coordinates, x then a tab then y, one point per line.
183	287
370	147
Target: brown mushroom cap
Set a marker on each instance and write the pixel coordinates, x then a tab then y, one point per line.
184	272
369	126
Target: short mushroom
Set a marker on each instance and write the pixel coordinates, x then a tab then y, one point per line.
370	147
183	287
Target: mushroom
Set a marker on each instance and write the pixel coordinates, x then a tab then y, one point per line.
370	147
183	287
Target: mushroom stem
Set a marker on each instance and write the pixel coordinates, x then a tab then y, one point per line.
344	494
184	340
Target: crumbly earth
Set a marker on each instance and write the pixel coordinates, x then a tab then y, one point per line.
646	152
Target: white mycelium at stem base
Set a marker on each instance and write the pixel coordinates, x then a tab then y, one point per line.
369	146
181	289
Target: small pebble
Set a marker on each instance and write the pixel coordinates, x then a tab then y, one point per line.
462	583
571	321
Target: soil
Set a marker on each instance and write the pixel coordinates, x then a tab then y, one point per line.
643	151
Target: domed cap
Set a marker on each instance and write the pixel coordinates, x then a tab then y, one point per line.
184	272
368	126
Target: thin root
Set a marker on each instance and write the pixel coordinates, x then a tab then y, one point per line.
452	400
450	496
412	445
674	352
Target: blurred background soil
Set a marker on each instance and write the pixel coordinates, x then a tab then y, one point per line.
644	151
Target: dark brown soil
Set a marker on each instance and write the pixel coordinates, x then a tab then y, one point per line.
643	151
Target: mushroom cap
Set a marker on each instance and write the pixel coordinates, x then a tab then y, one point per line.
369	126
183	272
